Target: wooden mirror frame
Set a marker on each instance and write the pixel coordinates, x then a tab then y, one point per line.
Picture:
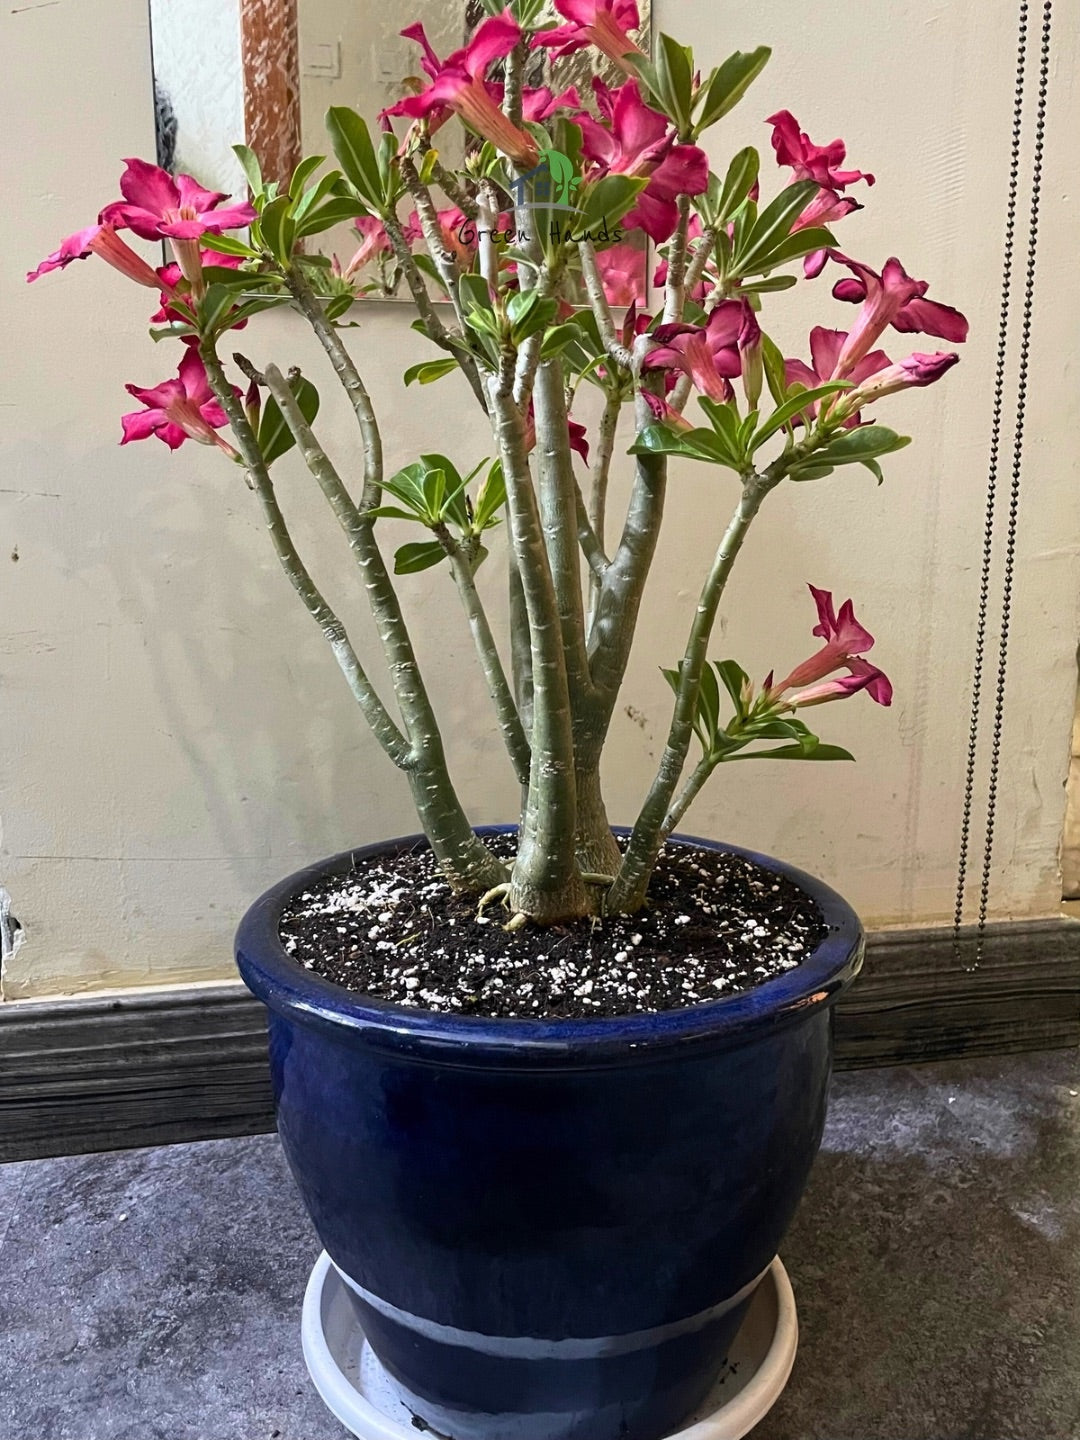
270	56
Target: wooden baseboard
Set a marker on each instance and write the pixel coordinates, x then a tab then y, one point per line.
108	1073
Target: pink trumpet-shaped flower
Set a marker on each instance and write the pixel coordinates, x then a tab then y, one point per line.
839	687
178	410
891	298
603	23
846	641
457	83
101	240
640	141
809	161
539	104
916	369
156	205
664	412
169	276
825	348
622	273
709	354
576	432
815	162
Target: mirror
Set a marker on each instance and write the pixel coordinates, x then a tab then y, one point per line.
266	71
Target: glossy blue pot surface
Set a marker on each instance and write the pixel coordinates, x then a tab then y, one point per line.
550	1229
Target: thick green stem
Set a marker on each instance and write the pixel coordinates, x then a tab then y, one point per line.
464	857
558	513
546	883
517	744
385	730
688	794
628	892
597	503
597	850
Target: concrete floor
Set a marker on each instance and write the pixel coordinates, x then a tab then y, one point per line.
155	1294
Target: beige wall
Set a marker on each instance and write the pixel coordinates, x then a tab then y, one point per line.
174	735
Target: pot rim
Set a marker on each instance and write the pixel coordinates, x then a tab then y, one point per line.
290	990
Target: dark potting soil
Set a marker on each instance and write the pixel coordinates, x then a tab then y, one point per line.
714	924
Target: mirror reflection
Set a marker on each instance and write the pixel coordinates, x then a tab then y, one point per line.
323	53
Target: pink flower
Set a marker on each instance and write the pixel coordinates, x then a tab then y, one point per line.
809	161
815	162
603	23
169	276
458	85
709	354
891	298
577	433
846	641
640	141
825	348
663	412
178	410
622	272
156	205
538	105
917	369
101	240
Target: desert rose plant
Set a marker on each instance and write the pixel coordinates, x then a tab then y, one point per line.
529	241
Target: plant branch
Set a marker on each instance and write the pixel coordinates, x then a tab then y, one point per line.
383	726
597	507
506	710
345	369
598	302
466	860
628	892
687	795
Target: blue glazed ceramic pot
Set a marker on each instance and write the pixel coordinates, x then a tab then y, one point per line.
550	1229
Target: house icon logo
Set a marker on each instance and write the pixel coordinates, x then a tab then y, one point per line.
549	185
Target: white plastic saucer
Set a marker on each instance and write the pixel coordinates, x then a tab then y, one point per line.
357	1389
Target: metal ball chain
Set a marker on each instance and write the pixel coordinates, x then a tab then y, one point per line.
992	476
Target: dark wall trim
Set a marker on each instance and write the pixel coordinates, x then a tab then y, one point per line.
189	1063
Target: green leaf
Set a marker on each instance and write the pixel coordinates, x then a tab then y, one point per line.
490	499
558	338
337	306
739	181
675	80
331	212
795	405
607	201
866	442
249	163
392	512
213	308
875	470
773	224
278	229
794	752
729	83
802	242
316	194
417	555
302	174
530	312
809	471
351	142
725	421
275	438
226	245
700	444
766	287
735	680
775	369
429	371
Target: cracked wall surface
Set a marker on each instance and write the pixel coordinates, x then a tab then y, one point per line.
174	737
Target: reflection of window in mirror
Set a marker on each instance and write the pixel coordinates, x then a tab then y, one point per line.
267	70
